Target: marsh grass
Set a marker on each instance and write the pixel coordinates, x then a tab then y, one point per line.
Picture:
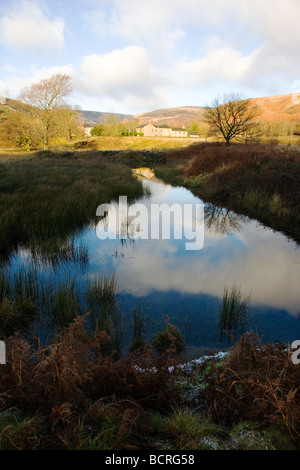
18	295
17	431
50	197
257	180
131	143
233	312
59	252
65	302
27	295
104	313
139	317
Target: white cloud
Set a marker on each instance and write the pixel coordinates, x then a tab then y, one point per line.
256	40
160	53
124	75
224	63
27	28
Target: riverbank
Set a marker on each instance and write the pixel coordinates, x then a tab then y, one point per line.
70	396
45	198
257	180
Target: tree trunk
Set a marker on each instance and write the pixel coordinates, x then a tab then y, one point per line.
46	142
46	136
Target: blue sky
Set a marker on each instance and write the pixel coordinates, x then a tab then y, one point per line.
132	56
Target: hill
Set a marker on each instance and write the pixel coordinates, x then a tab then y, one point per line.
96	117
181	116
279	107
274	110
14	105
90	117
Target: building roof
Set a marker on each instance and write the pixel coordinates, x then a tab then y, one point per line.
162	126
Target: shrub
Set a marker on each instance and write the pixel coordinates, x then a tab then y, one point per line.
256	383
169	340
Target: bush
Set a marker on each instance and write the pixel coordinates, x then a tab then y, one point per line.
73	388
256	383
169	340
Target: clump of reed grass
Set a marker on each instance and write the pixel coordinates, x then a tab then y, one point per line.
138	340
104	313
59	251
18	297
65	302
170	340
233	312
185	429
101	292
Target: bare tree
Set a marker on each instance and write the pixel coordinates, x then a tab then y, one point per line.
46	97
67	121
231	116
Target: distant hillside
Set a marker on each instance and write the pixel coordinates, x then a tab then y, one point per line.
96	117
277	108
15	105
90	117
273	109
181	116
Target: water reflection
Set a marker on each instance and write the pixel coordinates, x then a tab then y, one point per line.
163	277
236	250
221	220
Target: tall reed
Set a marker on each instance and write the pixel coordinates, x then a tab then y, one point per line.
233	312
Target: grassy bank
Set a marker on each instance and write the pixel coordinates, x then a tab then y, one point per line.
46	198
70	396
258	180
129	143
104	143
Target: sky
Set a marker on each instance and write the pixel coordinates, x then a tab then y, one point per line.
133	56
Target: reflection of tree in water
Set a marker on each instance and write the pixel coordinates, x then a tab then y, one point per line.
122	247
222	220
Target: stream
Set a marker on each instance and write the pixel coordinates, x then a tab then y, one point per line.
164	279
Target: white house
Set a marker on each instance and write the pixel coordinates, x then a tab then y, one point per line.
149	130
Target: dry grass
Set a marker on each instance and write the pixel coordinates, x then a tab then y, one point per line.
70	396
72	386
51	195
259	180
132	143
258	383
